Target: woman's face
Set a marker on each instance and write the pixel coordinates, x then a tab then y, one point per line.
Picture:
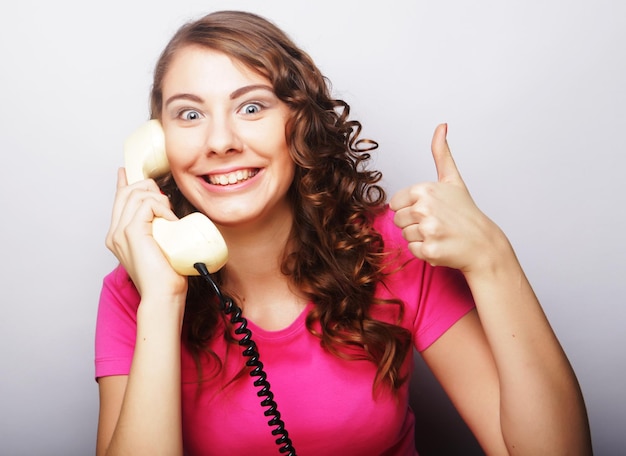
225	138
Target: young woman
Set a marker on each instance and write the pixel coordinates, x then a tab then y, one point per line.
336	285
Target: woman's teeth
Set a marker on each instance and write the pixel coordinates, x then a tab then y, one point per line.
232	178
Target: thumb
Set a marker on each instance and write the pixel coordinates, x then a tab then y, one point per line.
446	168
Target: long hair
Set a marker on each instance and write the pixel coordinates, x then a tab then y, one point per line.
336	256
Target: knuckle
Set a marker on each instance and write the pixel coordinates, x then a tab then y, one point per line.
429	228
116	242
431	252
113	243
429	189
419	211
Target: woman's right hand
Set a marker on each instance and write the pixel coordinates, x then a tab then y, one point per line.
131	241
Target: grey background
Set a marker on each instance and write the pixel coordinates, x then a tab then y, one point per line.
535	98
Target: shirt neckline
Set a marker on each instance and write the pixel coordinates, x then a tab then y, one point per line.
292	328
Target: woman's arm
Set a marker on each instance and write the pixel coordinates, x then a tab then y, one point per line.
502	366
112	391
511	382
141	413
541	405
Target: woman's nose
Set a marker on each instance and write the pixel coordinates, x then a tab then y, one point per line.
222	137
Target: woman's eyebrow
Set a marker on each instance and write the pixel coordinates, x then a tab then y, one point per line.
243	90
236	94
184	96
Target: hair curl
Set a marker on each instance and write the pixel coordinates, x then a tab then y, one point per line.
336	256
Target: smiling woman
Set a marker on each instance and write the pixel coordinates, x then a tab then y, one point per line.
336	284
224	130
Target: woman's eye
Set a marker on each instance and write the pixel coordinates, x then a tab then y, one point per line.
190	114
250	108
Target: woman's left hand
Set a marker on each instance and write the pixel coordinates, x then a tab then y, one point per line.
440	221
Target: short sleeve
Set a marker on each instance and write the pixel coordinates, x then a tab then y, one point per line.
434	298
116	325
444	299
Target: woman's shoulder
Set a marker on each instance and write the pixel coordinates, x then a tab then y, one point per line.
116	325
433	297
383	218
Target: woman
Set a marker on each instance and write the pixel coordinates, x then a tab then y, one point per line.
337	286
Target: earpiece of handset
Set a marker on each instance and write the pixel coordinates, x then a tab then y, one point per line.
192	239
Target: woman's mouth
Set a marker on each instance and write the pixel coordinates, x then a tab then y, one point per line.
231	178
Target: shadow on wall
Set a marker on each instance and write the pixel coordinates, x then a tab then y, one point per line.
439	430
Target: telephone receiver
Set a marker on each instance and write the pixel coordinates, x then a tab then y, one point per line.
185	242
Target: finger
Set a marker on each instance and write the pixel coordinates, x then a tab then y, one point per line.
121	178
145	206
408	215
407	198
121	183
400	199
444	163
123	190
122	195
416	248
136	216
129	199
412	233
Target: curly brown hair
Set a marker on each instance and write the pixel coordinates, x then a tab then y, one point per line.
336	256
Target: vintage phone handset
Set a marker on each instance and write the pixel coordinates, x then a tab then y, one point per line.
194	246
193	238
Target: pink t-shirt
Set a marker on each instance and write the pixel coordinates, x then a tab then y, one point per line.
326	402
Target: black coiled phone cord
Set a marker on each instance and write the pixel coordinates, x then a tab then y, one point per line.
230	308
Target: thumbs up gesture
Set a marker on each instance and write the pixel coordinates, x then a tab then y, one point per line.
440	221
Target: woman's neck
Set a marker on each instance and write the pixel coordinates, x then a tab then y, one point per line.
257	248
253	273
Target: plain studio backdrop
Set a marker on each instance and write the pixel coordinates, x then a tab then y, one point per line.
534	94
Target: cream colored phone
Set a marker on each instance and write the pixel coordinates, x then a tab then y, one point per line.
192	239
